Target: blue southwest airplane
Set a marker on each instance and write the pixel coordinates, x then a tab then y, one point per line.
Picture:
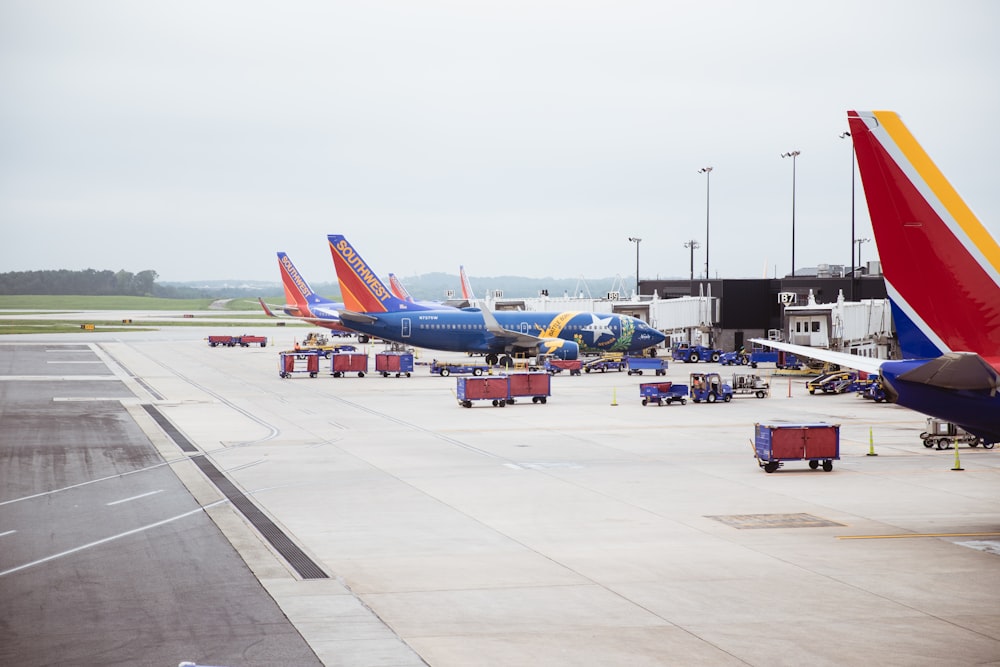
302	303
372	308
942	275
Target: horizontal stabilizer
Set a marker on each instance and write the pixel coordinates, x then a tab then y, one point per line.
350	316
957	371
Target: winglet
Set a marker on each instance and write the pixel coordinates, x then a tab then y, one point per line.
363	291
267	311
941	266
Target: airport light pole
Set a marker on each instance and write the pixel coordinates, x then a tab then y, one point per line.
793	155
859	242
845	135
692	244
636	240
708	176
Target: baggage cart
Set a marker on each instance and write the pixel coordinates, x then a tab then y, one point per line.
342	363
298	361
494	388
658	392
400	363
636	365
750	383
945	434
553	366
536	385
819	444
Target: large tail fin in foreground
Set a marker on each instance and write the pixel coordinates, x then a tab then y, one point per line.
941	266
466	285
362	290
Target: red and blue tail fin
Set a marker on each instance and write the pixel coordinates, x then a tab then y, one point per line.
297	290
941	266
466	285
363	291
398	288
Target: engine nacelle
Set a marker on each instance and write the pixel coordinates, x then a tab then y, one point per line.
559	348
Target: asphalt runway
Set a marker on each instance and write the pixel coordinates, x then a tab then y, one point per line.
589	530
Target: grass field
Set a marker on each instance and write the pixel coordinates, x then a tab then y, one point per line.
20	309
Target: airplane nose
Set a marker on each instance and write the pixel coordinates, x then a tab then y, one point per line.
657	336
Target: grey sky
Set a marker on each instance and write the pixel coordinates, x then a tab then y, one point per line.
529	138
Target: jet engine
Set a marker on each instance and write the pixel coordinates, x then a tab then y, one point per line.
559	348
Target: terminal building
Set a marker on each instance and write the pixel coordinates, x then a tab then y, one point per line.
819	307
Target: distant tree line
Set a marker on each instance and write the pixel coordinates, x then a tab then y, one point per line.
87	282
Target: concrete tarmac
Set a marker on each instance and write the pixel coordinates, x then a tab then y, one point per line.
589	530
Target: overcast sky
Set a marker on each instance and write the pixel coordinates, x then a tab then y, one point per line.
529	138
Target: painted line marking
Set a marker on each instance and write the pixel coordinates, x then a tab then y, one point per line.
9	532
89	545
96	361
908	535
141	495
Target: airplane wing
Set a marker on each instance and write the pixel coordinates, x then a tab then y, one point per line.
865	364
361	318
514	337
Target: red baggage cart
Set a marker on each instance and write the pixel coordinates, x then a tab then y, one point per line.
296	361
536	385
342	363
819	444
495	388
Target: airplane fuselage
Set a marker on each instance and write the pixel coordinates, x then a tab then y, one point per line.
465	330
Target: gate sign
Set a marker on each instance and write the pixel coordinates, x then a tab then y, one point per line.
614	296
786	298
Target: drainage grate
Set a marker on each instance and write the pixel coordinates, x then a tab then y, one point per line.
305	566
743	521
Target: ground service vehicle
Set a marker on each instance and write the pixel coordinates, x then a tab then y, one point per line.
690	354
658	392
735	358
748	383
607	362
837	382
636	365
710	388
819	444
781	359
945	434
444	368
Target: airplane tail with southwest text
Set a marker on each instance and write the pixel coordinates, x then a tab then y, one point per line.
362	290
941	265
298	295
467	293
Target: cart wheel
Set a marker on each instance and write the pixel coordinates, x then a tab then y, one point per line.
944	443
727	398
467	404
587	369
503	403
445	372
974	443
543	400
771	466
711	398
827	466
477	371
928	442
407	374
495	402
645	401
761	394
361	374
814	464
659	401
386	374
683	401
534	399
312	375
989	445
